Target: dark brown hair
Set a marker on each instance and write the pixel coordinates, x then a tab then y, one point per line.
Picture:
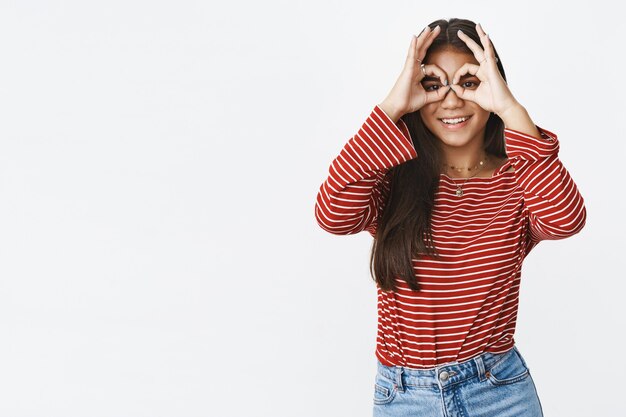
403	230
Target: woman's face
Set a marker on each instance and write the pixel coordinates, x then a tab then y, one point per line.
469	131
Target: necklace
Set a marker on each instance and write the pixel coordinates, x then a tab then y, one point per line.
459	187
459	169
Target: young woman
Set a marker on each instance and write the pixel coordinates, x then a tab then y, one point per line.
456	184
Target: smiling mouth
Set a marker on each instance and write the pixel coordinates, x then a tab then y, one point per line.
454	123
454	120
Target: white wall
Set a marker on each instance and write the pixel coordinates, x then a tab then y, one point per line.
159	163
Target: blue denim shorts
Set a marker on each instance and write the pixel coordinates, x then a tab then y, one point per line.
487	385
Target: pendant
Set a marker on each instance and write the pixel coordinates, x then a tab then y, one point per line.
459	191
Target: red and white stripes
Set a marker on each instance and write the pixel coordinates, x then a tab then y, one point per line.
469	296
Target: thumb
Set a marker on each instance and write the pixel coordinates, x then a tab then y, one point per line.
457	90
461	92
437	95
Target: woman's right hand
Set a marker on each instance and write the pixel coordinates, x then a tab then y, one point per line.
408	94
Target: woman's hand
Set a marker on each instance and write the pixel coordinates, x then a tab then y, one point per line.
492	94
408	94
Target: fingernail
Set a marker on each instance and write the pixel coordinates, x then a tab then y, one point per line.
445	82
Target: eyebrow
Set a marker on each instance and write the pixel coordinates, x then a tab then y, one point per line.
431	78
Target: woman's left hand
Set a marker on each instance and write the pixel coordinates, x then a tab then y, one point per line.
492	94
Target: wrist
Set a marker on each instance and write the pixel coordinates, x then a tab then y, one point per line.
517	118
511	111
390	111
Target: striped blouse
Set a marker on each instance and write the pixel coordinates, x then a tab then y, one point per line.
468	298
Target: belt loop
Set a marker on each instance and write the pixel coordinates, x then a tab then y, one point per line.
399	378
480	366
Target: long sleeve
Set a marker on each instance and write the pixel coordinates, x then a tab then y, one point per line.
556	209
350	199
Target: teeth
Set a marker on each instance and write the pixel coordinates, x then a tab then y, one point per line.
454	121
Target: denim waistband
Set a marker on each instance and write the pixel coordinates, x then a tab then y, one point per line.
446	374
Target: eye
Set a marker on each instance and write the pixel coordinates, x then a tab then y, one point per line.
430	87
472	84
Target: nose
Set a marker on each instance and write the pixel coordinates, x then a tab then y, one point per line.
451	100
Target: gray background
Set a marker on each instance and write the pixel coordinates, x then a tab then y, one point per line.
159	163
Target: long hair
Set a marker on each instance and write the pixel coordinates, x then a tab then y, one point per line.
404	228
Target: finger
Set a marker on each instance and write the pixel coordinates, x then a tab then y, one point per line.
479	29
426	41
462	93
424	31
415	40
437	95
411	55
436	71
487	45
479	54
424	34
466	68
